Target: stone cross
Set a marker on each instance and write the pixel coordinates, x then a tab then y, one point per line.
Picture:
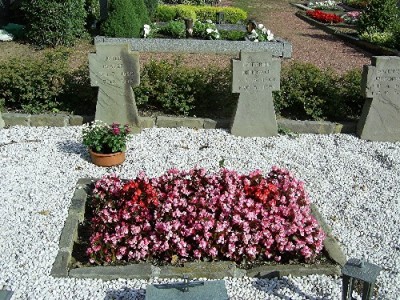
255	76
115	70
380	117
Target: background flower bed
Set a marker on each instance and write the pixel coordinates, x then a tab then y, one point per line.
182	216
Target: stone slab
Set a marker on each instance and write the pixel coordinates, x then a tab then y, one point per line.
278	48
16	119
380	117
2	123
58	120
173	122
211	290
5	295
215	270
147	122
115	70
132	271
255	76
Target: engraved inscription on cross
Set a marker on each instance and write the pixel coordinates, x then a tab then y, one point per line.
255	76
115	70
380	116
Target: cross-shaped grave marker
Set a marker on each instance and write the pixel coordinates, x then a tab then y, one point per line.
115	70
380	117
255	76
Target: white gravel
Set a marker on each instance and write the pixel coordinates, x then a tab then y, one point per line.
354	183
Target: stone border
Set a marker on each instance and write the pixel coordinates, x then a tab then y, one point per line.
214	270
61	120
278	47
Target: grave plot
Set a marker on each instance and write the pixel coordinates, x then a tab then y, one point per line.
72	244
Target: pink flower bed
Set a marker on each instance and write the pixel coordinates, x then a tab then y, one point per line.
198	215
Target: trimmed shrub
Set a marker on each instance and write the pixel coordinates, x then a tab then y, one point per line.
380	14
125	18
151	6
53	23
33	85
177	89
186	12
175	29
308	93
191	2
232	15
167	13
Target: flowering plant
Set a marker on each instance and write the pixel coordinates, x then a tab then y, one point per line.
197	215
328	4
351	17
324	17
150	31
206	30
261	34
103	138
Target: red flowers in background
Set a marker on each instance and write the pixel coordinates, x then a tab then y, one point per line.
324	17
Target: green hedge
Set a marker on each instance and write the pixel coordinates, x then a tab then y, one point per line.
176	89
167	13
309	93
46	85
53	23
33	85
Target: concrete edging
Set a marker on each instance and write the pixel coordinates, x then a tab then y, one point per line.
212	270
61	120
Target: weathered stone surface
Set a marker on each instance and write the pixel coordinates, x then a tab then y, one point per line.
2	123
140	271
69	233
15	119
255	76
147	122
209	124
76	120
58	120
214	270
317	127
278	48
294	270
115	70
212	290
380	117
60	265
173	122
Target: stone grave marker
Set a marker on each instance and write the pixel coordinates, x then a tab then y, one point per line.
2	124
380	117
255	76
210	290
115	70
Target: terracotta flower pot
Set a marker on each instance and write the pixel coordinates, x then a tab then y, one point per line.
107	160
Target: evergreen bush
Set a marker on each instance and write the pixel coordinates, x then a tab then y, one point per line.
53	23
151	6
125	18
379	16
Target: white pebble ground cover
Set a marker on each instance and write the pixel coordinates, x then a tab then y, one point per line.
354	183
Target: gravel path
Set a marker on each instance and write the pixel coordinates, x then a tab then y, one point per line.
354	183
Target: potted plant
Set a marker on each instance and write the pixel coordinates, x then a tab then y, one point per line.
106	143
